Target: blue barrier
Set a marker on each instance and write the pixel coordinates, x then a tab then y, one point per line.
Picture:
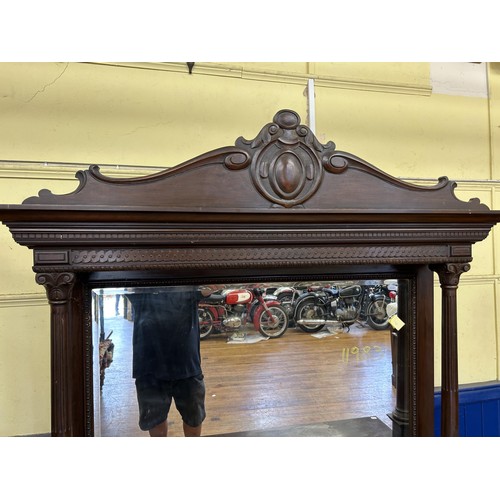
478	410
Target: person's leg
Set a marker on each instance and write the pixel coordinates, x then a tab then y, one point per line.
161	430
189	397
154	405
191	431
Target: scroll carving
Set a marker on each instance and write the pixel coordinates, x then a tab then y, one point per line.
449	274
57	285
287	160
255	257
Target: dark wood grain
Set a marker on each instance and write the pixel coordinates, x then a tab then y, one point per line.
280	206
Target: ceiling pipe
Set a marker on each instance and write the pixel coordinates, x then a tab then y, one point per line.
311	105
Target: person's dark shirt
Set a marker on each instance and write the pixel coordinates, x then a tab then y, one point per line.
166	337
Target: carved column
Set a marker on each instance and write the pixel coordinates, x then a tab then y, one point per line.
59	287
400	414
449	277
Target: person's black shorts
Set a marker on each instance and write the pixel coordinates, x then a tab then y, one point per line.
155	397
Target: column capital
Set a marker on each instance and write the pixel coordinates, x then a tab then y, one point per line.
449	274
58	286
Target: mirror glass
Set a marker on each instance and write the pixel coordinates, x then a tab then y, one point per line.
294	358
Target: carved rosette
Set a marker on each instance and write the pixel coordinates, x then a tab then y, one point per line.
288	161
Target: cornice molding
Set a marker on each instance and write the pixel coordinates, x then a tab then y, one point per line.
229	71
478	279
65	235
23	300
67	171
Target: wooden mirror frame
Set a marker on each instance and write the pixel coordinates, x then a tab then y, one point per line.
279	206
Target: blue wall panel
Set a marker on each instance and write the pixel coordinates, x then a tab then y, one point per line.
478	412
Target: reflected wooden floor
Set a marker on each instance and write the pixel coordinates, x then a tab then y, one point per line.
296	379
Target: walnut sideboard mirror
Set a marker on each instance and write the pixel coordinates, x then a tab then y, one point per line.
281	207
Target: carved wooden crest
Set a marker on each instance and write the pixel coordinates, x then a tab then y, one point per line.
284	168
287	161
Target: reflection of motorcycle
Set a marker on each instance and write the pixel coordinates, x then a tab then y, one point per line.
287	296
232	309
342	305
374	305
328	306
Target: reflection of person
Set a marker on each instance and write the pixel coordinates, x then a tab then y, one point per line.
166	358
117	304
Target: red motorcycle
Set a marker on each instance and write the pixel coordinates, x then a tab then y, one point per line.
232	309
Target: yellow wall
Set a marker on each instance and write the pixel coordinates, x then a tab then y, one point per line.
157	115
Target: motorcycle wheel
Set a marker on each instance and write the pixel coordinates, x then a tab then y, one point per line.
376	315
276	326
286	300
310	310
206	319
253	308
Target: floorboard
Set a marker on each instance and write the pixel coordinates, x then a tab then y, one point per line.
294	380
